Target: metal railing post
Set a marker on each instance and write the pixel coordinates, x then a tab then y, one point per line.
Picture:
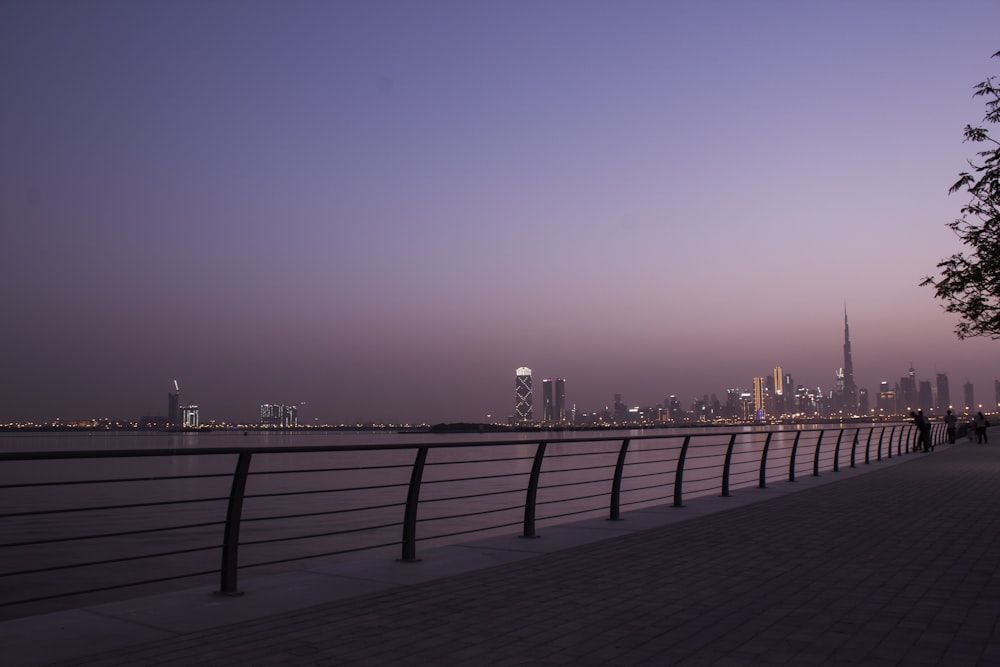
762	484
888	448
725	468
854	446
868	444
231	537
616	483
819	441
791	462
532	496
836	451
412	503
679	473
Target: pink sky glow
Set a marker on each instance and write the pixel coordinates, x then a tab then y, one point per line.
382	209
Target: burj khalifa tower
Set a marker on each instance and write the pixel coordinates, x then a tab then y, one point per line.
850	388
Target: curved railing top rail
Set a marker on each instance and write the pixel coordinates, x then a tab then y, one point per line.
340	512
314	449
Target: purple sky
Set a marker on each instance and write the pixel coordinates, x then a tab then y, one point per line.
383	209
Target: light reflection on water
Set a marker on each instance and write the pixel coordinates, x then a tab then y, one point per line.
12	441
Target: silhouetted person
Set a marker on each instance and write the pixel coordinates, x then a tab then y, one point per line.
923	431
951	427
981	425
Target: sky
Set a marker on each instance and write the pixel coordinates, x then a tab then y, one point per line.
382	209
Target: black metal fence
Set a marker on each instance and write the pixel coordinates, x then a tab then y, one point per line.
81	524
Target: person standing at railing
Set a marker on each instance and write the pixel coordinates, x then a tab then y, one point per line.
923	431
981	424
951	426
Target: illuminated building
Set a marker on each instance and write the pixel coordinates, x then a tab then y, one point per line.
887	400
759	397
283	416
522	395
674	409
270	415
970	402
746	401
779	402
189	416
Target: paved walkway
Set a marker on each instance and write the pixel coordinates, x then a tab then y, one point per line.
896	566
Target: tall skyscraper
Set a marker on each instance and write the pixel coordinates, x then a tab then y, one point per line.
791	396
924	401
547	401
174	407
522	395
907	394
554	400
780	405
674	408
970	399
943	395
850	388
560	399
759	397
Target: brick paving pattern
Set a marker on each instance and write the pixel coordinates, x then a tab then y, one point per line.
894	567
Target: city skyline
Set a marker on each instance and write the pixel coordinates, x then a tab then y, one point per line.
380	209
908	393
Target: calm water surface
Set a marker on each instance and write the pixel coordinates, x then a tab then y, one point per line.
99	440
